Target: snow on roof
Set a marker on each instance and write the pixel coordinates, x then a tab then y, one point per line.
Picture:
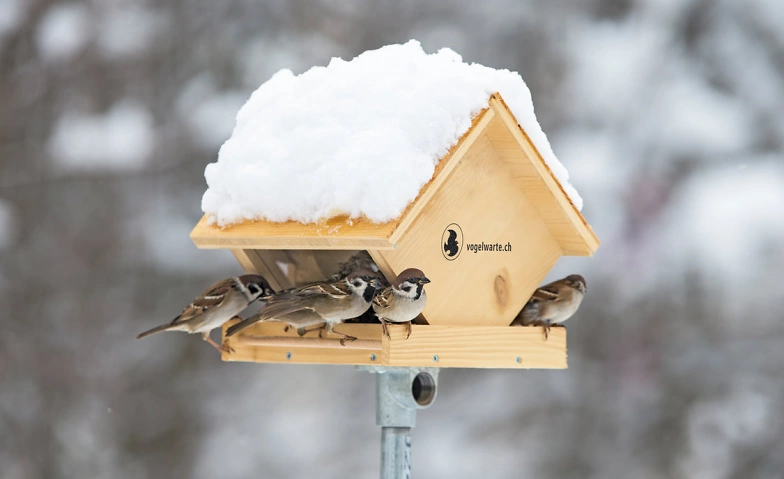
357	138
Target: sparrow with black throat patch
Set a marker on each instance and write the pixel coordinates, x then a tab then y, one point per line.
403	301
320	304
221	302
553	303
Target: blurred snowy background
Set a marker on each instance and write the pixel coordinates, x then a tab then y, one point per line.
669	115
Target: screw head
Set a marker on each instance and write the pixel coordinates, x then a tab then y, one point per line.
372	357
435	358
519	359
288	355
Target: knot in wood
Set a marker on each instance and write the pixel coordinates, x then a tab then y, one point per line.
501	290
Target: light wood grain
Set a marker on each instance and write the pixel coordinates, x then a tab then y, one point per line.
476	347
317	343
486	288
453	346
526	165
335	233
257	344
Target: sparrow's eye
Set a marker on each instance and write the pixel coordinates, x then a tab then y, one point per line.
366	278
254	289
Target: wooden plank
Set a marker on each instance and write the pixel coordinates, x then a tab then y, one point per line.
516	149
308	343
383	265
336	233
489	207
243	257
454	346
256	344
476	347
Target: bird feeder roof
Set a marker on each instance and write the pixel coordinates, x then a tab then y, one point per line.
516	152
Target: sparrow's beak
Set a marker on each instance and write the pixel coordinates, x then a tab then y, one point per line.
423	280
376	283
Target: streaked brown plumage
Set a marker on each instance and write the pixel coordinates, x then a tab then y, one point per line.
403	300
320	303
553	303
221	302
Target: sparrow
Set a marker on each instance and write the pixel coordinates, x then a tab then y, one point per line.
403	301
360	260
221	302
553	303
319	304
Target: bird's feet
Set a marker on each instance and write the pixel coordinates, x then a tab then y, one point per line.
545	327
409	330
223	348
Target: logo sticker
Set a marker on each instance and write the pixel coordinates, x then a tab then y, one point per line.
452	242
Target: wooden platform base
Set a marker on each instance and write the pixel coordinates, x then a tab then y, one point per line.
429	345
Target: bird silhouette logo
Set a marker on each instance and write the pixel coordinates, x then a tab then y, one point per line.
452	240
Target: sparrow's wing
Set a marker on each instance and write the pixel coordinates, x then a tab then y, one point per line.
212	298
301	298
335	290
279	308
548	292
383	299
279	305
292	301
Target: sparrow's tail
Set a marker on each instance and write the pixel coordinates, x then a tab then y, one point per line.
242	325
154	330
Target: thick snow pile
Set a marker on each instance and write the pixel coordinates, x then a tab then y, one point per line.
359	138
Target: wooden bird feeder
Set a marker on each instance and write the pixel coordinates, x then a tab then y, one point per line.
492	188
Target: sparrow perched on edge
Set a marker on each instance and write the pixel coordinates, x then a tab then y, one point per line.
553	303
319	304
221	302
403	301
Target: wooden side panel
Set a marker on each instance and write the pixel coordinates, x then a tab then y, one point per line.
529	169
336	233
288	268
488	206
476	347
297	267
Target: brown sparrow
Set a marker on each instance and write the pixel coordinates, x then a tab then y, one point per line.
221	302
553	303
319	304
403	301
360	260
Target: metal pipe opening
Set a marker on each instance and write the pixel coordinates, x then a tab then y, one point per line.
423	388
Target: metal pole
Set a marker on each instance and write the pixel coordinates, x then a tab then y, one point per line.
395	452
399	393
